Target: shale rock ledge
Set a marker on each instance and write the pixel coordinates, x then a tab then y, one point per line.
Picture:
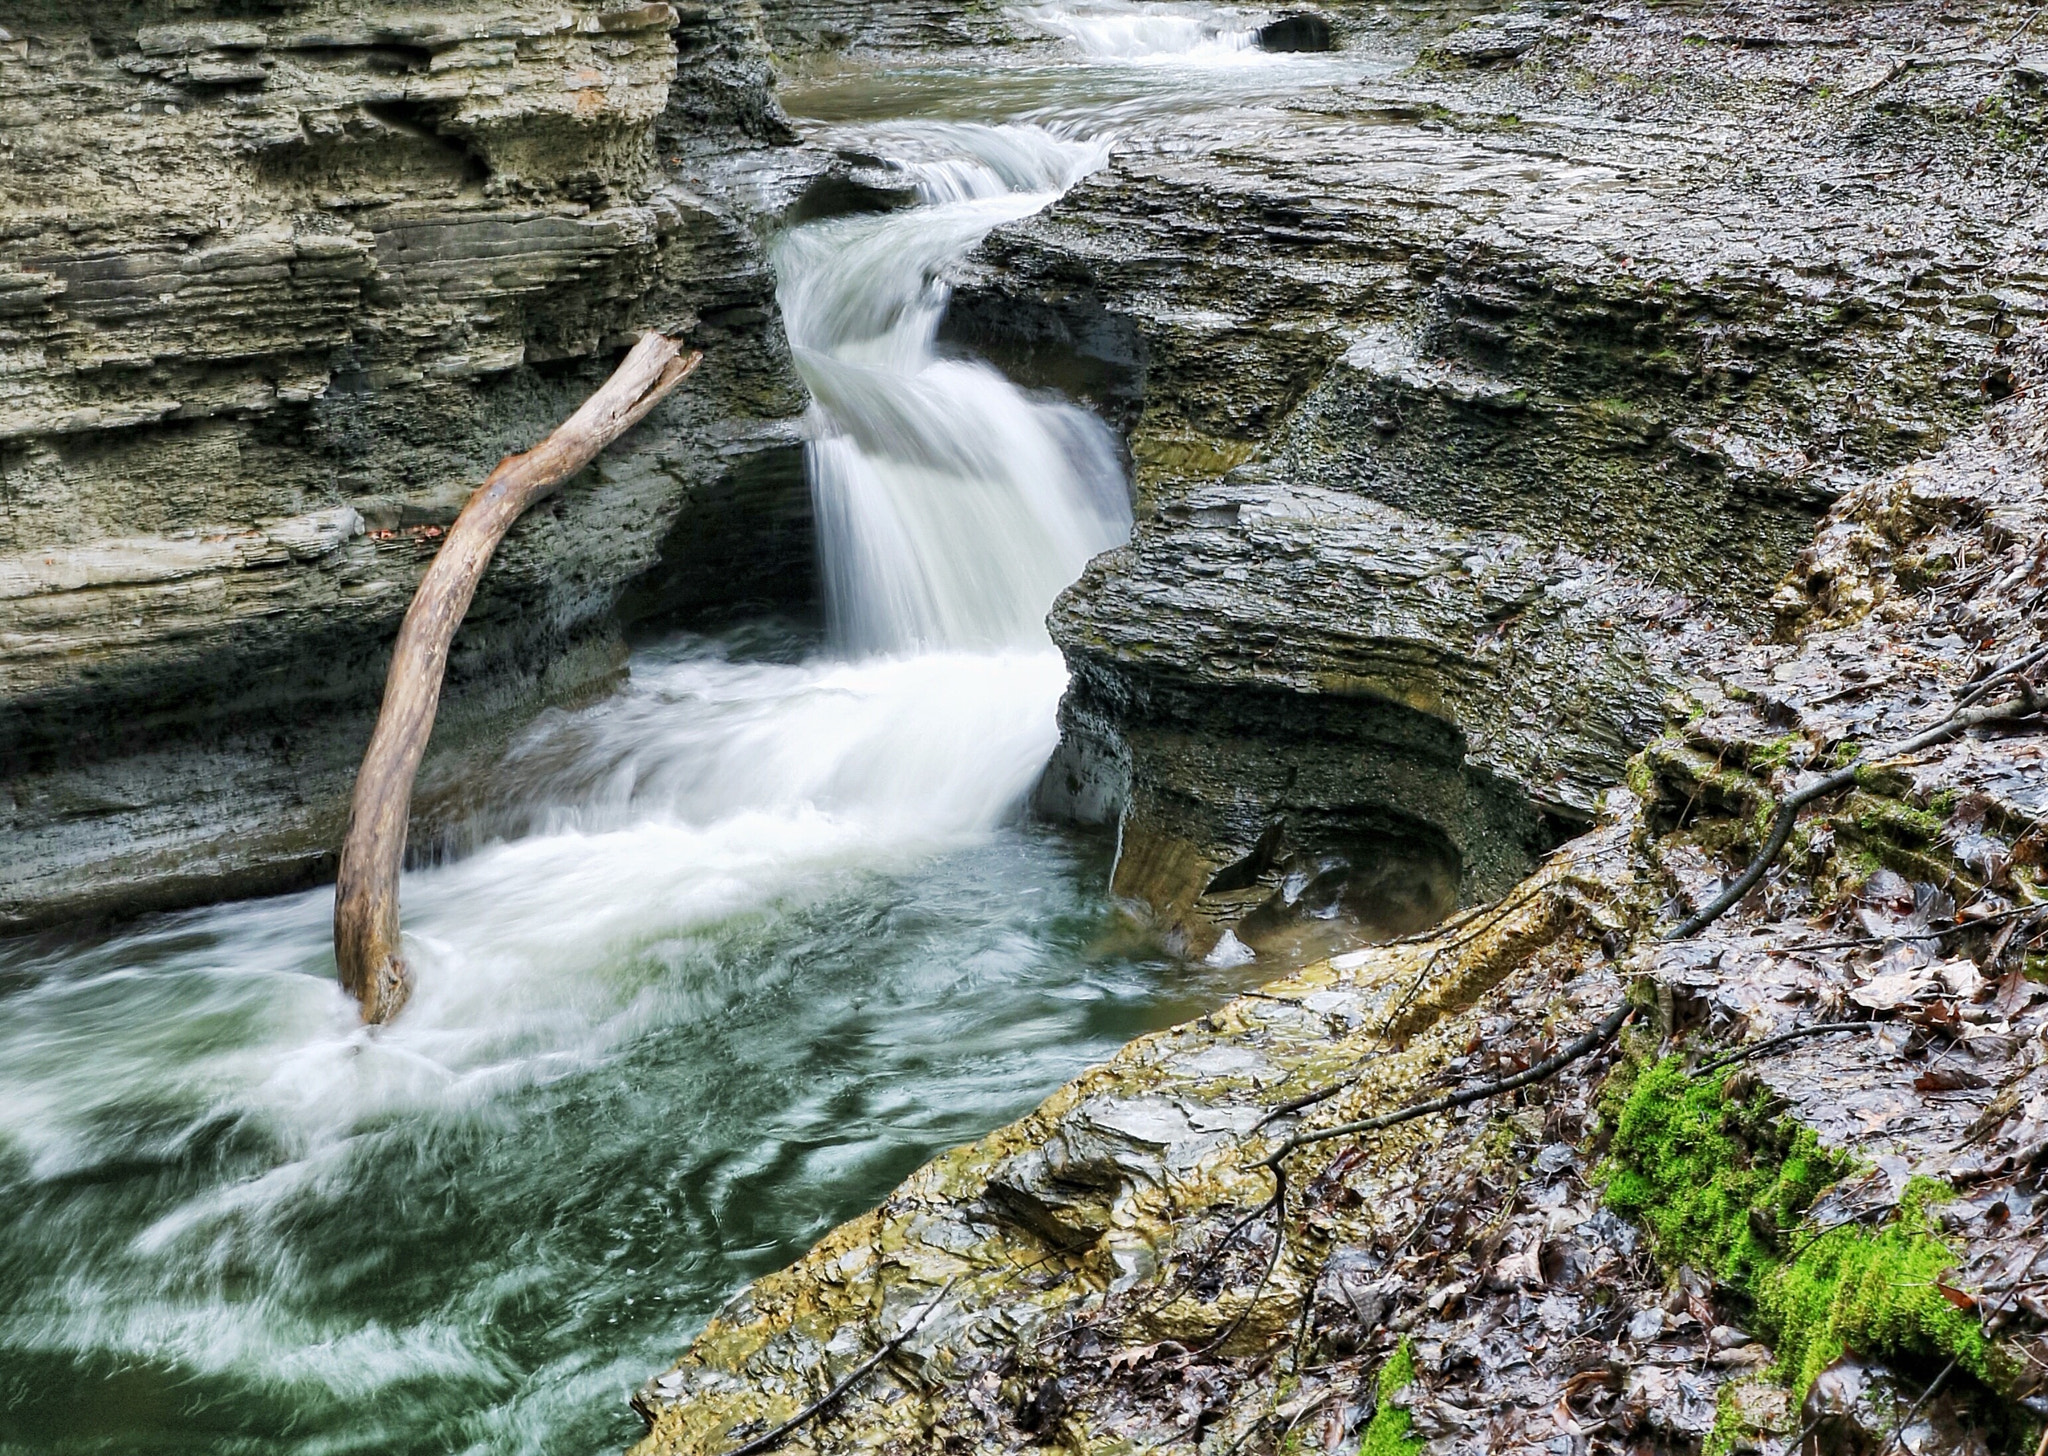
1648	1252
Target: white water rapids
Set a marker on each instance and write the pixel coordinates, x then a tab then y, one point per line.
951	509
742	946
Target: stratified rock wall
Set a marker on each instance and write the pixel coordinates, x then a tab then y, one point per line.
279	285
1574	306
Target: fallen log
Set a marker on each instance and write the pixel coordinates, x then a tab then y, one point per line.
367	955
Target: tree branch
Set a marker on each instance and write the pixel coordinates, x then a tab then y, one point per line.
366	931
1959	721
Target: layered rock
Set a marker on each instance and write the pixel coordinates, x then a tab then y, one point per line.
1636	290
1436	707
280	286
1655	1249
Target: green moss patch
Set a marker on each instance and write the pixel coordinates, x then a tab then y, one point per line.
1724	1182
1391	1432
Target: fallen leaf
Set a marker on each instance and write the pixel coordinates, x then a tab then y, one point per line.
1961	1299
1948	1079
1890	992
1961	976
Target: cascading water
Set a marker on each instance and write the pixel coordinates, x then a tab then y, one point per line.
740	948
951	509
1151	33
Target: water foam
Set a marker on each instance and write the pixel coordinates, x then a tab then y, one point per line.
951	506
1153	33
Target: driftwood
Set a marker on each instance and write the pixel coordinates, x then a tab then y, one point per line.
366	939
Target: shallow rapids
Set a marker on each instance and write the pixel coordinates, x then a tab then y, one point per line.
728	955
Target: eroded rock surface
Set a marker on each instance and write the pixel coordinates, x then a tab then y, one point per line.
1647	1252
1628	286
279	286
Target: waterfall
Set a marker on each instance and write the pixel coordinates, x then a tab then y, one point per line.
1172	34
951	506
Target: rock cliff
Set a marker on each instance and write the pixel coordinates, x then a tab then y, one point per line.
280	284
1574	305
1591	432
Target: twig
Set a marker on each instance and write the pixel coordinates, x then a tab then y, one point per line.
1917	62
1499	911
769	1439
1320	1094
1975	691
1756	1049
1278	1203
1549	1066
1914	1409
1864	942
1962	720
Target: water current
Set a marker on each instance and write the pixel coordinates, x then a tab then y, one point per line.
742	946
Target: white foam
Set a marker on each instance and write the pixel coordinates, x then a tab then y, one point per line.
1159	33
951	506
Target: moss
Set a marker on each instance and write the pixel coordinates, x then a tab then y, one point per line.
1745	1411
1724	1185
1777	753
1891	819
1871	1291
1884	780
1391	1432
1720	1185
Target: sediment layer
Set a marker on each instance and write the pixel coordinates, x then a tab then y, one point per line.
280	288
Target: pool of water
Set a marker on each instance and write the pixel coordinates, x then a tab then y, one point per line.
233	1220
720	960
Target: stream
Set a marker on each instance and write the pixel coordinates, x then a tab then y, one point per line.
740	948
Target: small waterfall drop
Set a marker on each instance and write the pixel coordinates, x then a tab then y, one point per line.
951	506
1151	33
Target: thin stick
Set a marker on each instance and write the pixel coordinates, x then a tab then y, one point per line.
1756	1049
1959	721
853	1377
1976	690
1321	1094
367	950
1278	1203
1914	1409
1549	1066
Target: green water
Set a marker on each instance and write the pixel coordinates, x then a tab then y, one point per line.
231	1221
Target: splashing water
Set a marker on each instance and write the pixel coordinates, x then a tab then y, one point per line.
1179	34
951	508
740	948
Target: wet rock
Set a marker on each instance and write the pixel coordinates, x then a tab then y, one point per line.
1859	1409
853	183
1302	31
1488	40
269	272
1475	694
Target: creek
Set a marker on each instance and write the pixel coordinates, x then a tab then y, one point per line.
734	951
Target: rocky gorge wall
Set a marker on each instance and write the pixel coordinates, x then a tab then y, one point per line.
1601	427
279	284
1477	405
